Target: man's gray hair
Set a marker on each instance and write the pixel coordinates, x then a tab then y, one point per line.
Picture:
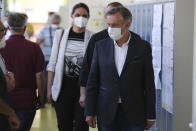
124	12
16	21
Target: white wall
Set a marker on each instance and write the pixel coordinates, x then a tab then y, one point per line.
96	22
97	10
183	66
64	13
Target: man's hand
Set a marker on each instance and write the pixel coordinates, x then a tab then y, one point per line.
10	81
14	122
40	40
82	101
91	120
149	124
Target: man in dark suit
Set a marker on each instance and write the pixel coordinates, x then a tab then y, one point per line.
120	87
84	72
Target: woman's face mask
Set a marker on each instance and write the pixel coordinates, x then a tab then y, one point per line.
80	21
80	17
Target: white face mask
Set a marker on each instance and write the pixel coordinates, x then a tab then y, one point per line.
115	33
54	26
2	43
5	23
80	21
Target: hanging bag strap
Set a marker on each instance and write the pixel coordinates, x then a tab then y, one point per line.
51	37
62	33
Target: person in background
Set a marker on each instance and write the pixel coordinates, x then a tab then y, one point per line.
8	119
46	36
5	17
25	59
50	13
9	76
120	91
45	40
29	29
64	68
8	33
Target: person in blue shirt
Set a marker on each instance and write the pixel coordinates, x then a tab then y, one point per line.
45	40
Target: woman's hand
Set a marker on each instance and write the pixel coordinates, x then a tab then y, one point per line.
82	101
49	95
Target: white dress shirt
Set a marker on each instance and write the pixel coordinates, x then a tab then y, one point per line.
120	54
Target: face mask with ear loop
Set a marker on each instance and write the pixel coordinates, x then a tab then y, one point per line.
54	26
115	33
80	21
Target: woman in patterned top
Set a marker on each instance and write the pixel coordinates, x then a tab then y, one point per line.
68	51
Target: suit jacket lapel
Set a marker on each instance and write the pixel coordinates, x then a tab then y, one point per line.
112	57
130	54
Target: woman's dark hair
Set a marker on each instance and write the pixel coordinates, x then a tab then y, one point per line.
80	5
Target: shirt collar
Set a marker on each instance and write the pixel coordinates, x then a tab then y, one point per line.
125	44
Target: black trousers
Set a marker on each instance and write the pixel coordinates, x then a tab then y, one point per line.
45	81
70	116
4	124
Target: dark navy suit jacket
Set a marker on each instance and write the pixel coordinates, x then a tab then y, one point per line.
135	86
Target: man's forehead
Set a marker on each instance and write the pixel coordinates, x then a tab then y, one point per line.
114	16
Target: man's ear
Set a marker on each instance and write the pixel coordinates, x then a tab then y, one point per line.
128	25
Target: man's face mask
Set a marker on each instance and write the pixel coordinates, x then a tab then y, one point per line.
54	26
80	21
2	43
115	33
5	23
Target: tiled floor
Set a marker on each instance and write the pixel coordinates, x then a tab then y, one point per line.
45	120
